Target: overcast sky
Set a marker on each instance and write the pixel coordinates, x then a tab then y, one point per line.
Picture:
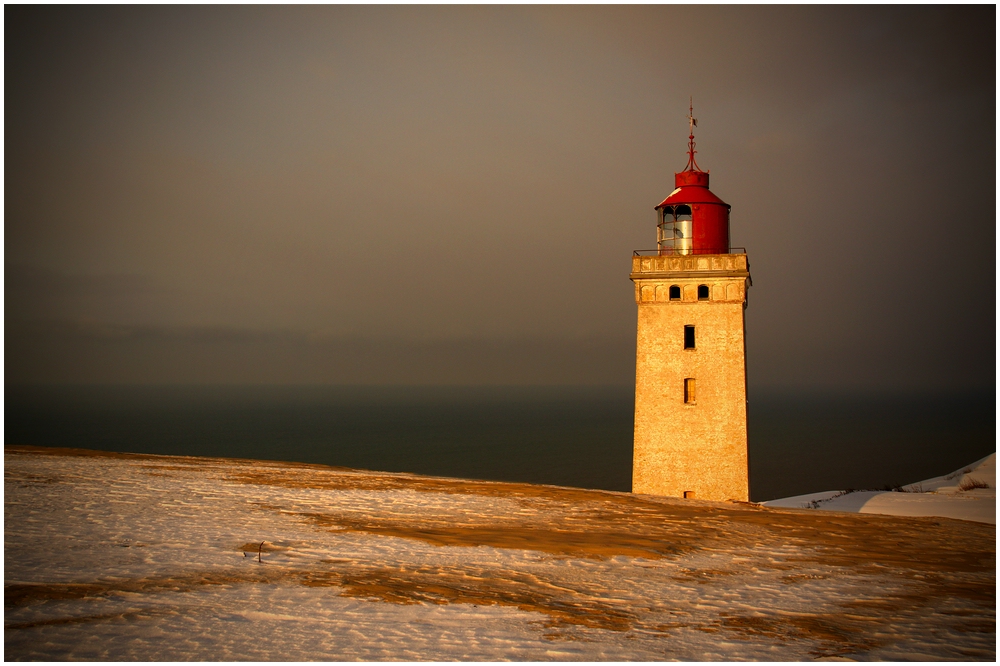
453	194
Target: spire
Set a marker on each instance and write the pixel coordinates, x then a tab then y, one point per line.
692	123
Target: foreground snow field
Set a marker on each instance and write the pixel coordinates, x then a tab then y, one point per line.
112	556
968	493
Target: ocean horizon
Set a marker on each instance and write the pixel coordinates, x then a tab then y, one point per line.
800	442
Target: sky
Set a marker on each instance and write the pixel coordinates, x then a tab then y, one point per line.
452	195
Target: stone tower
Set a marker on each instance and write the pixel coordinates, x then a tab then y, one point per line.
690	368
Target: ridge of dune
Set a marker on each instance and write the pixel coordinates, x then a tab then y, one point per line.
968	493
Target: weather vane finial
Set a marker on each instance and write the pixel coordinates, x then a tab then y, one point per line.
692	123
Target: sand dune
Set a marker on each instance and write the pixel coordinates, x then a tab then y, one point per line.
114	556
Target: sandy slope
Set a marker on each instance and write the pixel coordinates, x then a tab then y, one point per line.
968	493
111	556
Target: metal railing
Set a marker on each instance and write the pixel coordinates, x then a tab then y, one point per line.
672	252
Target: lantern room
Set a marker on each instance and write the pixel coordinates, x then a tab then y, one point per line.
692	220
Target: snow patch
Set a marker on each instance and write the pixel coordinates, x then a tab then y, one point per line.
968	493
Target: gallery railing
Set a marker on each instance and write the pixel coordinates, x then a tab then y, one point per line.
672	252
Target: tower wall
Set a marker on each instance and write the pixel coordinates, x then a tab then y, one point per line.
698	447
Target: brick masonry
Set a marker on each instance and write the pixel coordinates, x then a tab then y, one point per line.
698	449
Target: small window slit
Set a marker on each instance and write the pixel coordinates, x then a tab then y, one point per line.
689	337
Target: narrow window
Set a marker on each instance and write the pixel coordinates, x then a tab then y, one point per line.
689	391
675	293
702	292
689	337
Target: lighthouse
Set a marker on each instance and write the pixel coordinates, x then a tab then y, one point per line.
690	435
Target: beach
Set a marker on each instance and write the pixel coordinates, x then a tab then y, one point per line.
112	556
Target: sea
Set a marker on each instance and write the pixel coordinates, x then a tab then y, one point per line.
569	436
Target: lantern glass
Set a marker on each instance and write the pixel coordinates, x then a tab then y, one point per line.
674	230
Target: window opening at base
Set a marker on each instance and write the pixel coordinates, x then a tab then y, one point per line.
689	391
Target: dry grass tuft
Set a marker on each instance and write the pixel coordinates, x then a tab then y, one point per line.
972	484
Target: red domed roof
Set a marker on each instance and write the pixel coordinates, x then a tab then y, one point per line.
692	188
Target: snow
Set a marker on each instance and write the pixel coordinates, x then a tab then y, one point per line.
118	557
968	493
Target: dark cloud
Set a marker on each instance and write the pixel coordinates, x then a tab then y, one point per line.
100	353
296	181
